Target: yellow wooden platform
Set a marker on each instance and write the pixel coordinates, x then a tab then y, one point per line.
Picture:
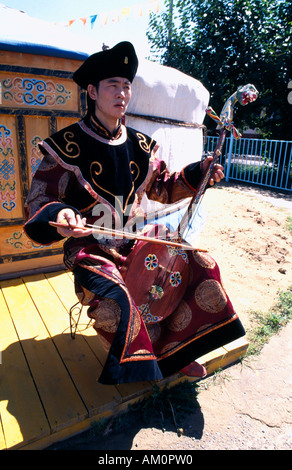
48	381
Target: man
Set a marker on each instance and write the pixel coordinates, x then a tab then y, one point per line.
99	166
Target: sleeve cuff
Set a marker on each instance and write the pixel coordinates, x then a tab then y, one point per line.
192	175
38	228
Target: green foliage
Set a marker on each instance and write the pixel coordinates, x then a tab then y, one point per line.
166	406
289	224
173	403
228	43
268	324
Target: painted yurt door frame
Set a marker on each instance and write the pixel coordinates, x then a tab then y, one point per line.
37	98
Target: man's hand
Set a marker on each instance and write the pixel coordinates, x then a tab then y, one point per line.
217	173
74	225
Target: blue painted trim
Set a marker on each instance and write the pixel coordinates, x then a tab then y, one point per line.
41	49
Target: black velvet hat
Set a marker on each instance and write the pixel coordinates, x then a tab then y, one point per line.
119	61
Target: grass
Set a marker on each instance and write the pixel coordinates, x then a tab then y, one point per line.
174	403
289	224
166	408
266	325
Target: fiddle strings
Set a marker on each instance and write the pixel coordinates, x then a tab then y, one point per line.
186	222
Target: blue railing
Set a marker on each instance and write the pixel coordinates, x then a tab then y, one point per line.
258	161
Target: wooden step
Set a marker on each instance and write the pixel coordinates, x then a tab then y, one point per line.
48	381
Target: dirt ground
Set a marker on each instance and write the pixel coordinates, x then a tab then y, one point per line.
247	406
246	232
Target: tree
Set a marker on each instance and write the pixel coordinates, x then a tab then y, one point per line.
228	43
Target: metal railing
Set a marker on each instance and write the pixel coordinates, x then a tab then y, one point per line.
258	161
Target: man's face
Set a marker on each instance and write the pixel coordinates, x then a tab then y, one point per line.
112	97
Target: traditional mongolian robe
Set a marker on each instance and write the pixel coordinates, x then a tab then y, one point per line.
88	170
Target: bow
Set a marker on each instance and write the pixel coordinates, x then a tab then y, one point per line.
129	235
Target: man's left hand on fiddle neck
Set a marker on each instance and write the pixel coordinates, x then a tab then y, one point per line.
217	172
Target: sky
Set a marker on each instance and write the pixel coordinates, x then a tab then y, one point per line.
117	20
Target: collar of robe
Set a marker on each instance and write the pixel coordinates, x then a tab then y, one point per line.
96	126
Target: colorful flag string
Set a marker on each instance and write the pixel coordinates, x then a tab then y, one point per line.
114	16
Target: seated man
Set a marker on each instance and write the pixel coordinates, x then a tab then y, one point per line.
98	165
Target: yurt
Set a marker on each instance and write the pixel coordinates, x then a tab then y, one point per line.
38	97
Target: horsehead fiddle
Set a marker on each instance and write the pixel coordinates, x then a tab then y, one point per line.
156	271
157	276
244	95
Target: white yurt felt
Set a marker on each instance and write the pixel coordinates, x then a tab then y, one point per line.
164	92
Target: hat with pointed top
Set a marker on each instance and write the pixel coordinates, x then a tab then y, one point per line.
119	61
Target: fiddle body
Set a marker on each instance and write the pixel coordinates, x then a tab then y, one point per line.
156	277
